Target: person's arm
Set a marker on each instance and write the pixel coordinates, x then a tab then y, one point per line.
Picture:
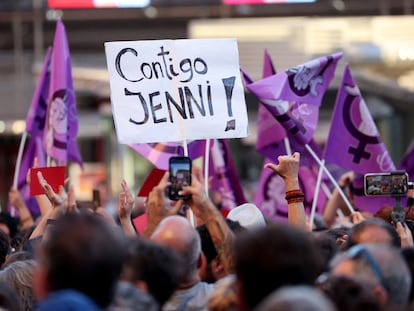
16	199
57	201
288	169
335	201
158	206
125	204
204	209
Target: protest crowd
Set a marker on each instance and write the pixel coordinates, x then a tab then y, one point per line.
293	248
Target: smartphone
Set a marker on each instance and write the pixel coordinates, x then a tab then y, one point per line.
180	176
96	199
386	184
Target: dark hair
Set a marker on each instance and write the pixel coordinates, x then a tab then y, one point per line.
326	245
272	257
11	222
356	230
207	244
408	254
4	246
155	264
84	253
349	294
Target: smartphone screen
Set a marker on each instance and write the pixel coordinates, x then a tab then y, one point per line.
391	184
180	176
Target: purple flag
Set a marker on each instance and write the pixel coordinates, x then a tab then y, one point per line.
293	97
33	149
35	120
270	133
407	162
225	180
354	142
62	117
159	154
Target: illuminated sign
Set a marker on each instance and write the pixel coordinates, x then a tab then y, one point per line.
82	4
265	1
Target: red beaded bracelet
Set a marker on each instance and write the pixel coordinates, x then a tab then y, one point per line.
294	196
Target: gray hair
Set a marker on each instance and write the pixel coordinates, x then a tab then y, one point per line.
296	298
396	276
19	276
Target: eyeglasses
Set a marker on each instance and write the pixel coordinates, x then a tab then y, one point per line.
360	251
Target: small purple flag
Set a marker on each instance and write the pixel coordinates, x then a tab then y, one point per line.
33	149
407	162
35	120
225	179
354	142
270	133
62	117
159	154
293	97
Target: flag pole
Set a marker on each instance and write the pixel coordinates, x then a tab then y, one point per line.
19	159
316	193
206	164
332	179
287	145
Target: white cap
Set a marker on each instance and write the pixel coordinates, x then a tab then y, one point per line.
248	215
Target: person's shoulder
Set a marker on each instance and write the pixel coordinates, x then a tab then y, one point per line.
67	300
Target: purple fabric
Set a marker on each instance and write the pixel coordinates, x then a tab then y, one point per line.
407	162
354	142
33	149
159	154
62	117
35	120
293	97
270	133
225	179
365	203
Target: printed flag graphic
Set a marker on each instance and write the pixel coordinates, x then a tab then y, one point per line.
354	142
293	97
62	117
225	179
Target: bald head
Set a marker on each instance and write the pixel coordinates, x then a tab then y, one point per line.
177	233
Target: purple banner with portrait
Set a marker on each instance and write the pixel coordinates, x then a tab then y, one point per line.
225	180
354	142
293	97
62	117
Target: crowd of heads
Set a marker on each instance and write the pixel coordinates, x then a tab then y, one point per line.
78	259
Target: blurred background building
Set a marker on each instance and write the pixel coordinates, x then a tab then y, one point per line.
375	35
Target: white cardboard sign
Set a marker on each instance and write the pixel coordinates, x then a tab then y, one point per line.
171	90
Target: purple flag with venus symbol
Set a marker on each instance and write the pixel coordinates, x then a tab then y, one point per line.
354	143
